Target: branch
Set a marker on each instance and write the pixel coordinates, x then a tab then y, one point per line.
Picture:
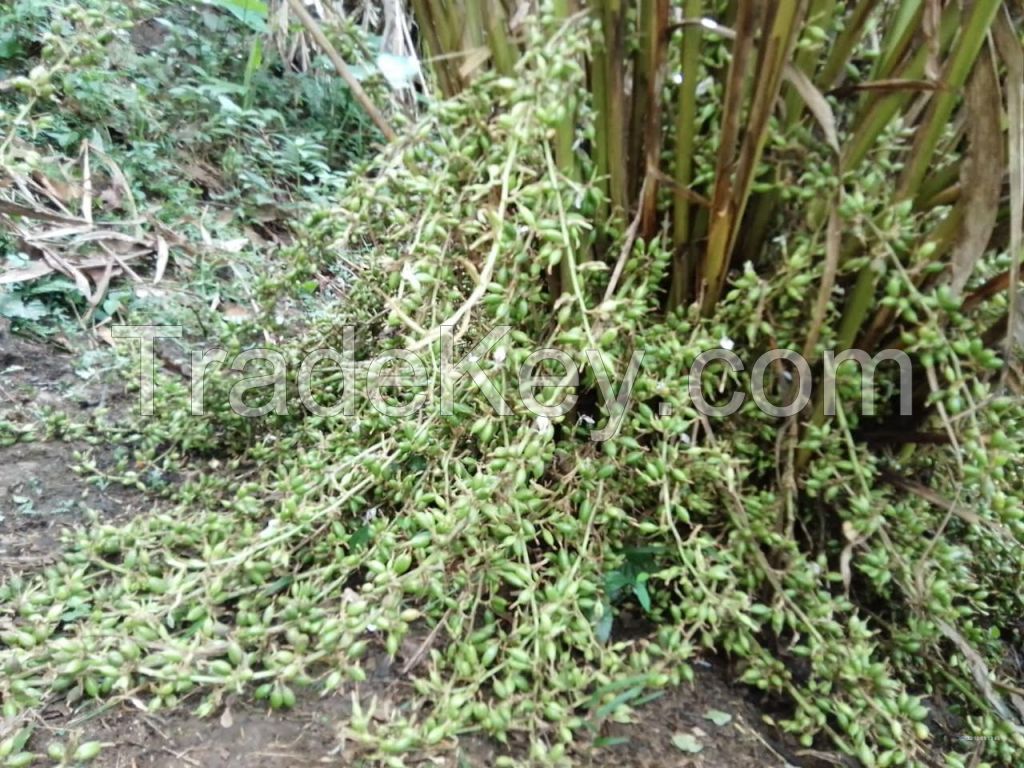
357	90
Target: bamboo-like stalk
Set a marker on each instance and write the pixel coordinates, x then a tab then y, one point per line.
764	205
473	27
842	48
806	59
956	71
503	50
657	32
774	52
565	156
686	131
722	213
899	34
447	22
884	108
881	112
936	184
640	108
599	98
1011	50
615	106
422	12
565	133
876	114
958	67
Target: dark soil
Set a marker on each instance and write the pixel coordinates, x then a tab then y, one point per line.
40	495
244	736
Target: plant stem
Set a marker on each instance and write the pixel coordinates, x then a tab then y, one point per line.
686	130
342	69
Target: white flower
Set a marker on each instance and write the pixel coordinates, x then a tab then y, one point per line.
542	424
726	343
499	355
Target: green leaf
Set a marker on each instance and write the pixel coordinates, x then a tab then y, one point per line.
14	308
604	625
610	741
87	751
21	738
360	538
718	717
252	66
619	701
687	742
252	13
10	47
640	590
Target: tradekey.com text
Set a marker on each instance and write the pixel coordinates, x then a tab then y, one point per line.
400	382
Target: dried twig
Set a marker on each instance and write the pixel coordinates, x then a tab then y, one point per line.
357	90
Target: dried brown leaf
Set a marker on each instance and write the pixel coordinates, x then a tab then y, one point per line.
162	256
58	234
40	214
102	284
887	85
1011	52
816	103
62	265
86	183
930	23
111	198
231	246
23	274
980	672
202	174
981	173
474	60
104	334
235	312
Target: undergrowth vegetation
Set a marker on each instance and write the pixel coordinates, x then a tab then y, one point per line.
865	569
192	129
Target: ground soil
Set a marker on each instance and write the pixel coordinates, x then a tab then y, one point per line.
40	495
249	737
